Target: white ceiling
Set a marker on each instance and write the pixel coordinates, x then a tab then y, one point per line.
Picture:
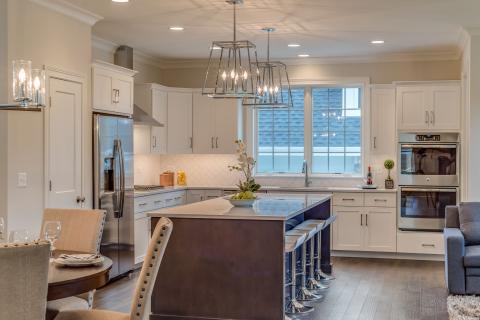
324	28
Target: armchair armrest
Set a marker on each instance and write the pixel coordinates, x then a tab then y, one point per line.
454	268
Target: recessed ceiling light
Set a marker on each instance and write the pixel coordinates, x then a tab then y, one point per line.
176	28
303	55
377	42
120	1
293	45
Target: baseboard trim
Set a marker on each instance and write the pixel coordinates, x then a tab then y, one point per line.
388	255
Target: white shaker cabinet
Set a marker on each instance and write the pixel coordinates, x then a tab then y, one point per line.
153	99
428	107
112	88
179	122
365	222
383	120
215	124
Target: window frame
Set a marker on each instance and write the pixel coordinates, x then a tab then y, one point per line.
362	83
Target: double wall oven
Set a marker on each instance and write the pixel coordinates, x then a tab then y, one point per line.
429	178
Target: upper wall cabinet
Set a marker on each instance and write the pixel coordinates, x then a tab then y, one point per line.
215	124
428	107
383	120
179	122
153	99
112	88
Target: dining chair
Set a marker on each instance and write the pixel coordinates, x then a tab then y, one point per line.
145	283
81	231
24	280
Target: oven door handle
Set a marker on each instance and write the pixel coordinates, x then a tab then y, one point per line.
428	190
425	145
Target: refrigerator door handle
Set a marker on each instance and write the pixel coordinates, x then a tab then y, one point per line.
116	178
122	179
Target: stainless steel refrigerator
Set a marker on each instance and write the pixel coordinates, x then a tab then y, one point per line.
113	188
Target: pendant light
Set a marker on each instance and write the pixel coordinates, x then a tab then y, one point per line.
273	84
229	72
28	87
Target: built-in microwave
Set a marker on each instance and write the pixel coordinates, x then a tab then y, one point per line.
429	159
423	208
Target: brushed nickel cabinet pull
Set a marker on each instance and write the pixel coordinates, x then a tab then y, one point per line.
212	144
348	199
366	220
361	219
428	245
427	117
432	119
383	200
216	142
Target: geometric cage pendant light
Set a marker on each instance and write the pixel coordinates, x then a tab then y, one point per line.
273	84
230	66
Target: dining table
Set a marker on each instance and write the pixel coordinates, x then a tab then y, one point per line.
66	282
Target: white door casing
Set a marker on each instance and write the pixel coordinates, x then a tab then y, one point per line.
64	143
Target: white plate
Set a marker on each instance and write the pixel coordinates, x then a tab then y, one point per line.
78	263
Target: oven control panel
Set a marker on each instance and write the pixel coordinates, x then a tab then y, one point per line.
427	137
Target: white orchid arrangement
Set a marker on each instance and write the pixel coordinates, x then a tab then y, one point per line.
245	165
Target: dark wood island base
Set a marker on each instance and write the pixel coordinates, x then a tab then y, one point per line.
224	268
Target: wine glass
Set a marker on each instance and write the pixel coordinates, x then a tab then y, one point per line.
19	236
51	232
2	229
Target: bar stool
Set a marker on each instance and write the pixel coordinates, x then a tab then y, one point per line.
319	274
292	242
312	283
309	229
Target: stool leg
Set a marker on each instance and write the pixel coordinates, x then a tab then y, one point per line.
319	274
295	307
305	294
312	283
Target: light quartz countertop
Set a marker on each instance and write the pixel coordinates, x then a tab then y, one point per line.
264	188
267	207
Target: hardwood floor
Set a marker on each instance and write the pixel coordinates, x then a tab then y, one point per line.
364	289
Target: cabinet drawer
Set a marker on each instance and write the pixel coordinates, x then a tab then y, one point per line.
174	198
420	242
348	199
142	204
381	200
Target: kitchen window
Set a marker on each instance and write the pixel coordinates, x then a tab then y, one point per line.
324	126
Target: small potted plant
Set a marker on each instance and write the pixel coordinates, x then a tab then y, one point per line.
248	187
389	164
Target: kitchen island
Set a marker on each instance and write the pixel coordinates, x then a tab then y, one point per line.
225	262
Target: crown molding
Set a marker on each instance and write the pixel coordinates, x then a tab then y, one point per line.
70	10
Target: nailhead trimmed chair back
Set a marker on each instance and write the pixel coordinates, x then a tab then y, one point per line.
151	264
82	229
24	280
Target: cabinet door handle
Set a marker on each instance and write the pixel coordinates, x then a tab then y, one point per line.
432	118
118	95
430	245
216	142
366	220
380	200
348	199
154	141
374	142
142	204
361	219
427	117
114	95
212	143
191	142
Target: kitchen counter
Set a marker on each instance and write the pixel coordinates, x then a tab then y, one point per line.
264	188
266	207
230	259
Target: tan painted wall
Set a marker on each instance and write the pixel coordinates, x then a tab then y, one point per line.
47	38
379	73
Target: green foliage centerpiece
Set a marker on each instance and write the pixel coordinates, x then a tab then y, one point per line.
248	187
389	164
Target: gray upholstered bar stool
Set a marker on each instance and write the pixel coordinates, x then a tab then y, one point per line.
319	274
309	229
293	240
308	225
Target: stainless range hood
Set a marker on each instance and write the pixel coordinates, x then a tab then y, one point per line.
141	117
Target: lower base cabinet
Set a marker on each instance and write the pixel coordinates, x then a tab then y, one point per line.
141	232
365	228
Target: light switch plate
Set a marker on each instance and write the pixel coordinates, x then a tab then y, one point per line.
22	179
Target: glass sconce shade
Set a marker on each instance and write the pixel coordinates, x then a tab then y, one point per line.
273	86
22	81
38	87
230	73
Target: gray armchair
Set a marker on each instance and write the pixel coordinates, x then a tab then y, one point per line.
462	261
